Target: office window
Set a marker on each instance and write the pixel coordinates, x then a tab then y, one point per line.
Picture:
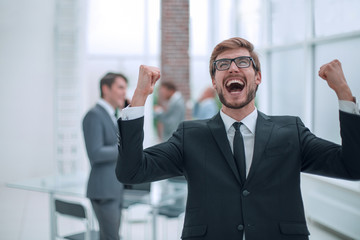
123	27
288	85
125	33
302	36
326	121
199	27
288	21
225	20
153	27
200	77
121	35
210	23
250	21
336	17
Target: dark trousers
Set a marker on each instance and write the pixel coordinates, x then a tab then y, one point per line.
108	213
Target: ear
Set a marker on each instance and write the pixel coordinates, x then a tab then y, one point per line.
258	78
213	82
105	90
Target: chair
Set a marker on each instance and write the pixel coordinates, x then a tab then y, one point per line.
136	200
175	208
136	193
75	211
176	190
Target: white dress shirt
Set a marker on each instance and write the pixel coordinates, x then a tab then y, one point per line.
109	109
349	107
247	130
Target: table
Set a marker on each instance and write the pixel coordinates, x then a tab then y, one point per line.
68	185
74	185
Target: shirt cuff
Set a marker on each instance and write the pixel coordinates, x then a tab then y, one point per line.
349	106
131	113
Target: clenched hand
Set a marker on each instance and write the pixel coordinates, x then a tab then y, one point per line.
333	74
148	76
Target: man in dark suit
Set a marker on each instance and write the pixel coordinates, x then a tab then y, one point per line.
100	134
243	178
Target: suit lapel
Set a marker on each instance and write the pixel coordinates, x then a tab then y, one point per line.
107	117
218	131
263	131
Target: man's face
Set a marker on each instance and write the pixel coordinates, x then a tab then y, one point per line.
116	94
236	87
164	93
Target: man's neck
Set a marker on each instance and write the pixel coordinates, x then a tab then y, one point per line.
239	114
109	103
171	95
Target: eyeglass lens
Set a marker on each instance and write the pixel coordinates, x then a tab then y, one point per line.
224	64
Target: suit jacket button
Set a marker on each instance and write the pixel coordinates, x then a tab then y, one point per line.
240	227
245	193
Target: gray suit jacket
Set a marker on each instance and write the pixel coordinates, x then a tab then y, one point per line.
268	205
173	116
100	134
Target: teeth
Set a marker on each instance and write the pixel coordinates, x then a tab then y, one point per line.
234	81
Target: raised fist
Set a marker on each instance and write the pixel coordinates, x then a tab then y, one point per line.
148	76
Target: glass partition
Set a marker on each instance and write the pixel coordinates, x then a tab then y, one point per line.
335	17
288	21
288	83
326	120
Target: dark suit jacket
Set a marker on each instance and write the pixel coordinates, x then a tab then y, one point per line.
100	134
269	204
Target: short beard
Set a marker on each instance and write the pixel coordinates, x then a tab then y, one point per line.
250	96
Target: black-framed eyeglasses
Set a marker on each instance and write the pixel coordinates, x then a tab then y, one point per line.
241	62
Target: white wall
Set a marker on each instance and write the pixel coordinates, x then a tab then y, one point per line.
26	108
26	89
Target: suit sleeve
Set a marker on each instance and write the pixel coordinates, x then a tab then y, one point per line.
328	159
97	151
136	165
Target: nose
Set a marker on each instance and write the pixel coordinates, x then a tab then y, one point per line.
233	67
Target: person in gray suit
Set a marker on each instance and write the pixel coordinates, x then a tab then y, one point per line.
172	113
100	134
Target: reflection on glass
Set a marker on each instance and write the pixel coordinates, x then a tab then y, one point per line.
334	17
326	120
288	21
288	83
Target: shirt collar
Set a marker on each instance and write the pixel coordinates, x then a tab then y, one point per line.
176	96
109	109
249	121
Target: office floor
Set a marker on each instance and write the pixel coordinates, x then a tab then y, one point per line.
24	215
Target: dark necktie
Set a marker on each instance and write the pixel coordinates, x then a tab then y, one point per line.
239	152
116	113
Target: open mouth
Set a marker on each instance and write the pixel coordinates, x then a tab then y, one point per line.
235	86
